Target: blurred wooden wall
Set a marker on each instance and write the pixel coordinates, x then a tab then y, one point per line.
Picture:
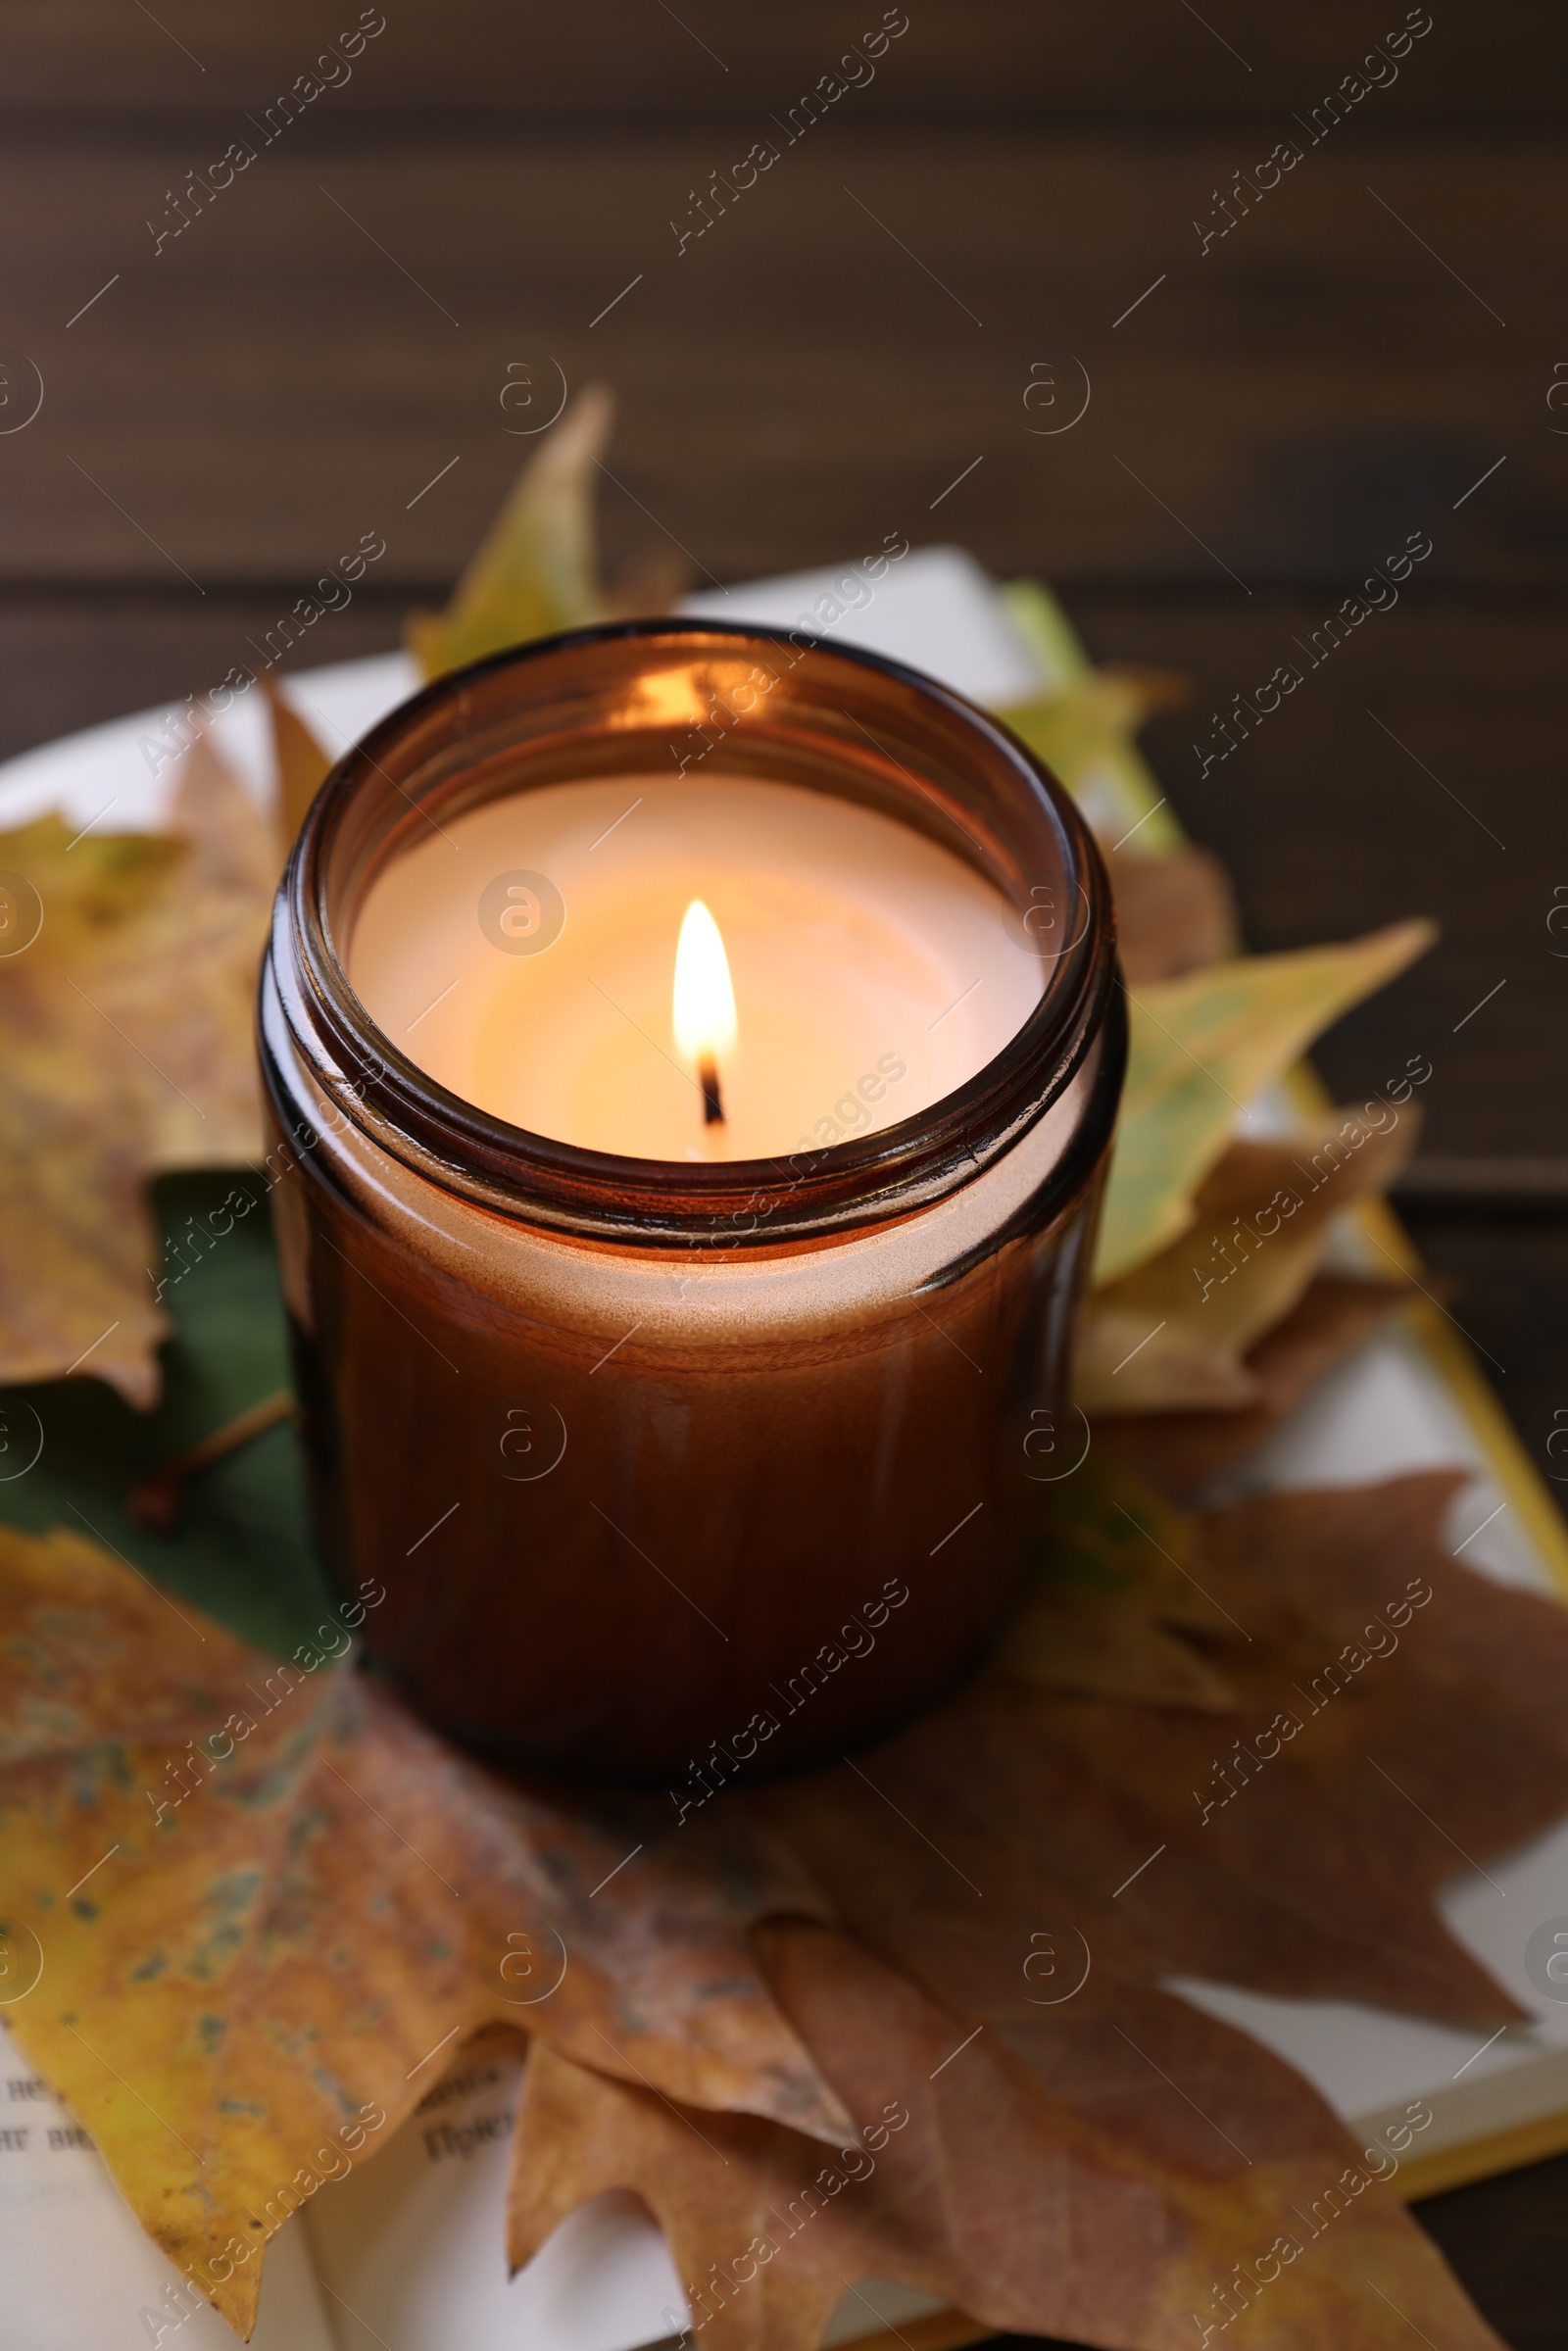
975	215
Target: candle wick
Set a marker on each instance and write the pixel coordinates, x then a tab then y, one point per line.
712	1100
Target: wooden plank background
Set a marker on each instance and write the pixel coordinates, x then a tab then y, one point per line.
1015	189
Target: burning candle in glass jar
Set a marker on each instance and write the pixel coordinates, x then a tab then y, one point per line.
696	1173
724	967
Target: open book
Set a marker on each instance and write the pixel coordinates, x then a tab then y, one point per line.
407	2252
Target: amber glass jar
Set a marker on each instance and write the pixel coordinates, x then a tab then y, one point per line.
674	1468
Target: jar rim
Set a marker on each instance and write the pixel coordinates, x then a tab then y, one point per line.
1016	804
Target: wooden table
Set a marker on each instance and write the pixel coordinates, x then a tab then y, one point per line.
892	329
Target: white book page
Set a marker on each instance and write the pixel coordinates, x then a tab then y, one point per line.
76	2271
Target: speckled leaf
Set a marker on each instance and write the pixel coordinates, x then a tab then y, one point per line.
263	1900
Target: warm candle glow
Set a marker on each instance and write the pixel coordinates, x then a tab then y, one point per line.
855	945
705	1003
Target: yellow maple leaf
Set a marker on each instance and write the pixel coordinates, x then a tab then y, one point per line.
125	1050
257	1901
1202	1048
536	570
1083	729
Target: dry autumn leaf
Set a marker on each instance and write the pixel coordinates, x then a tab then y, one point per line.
1105	2206
720	2188
1180	1452
1312	1872
648	583
267	1963
265	1900
1102	2169
1173	1334
1175	910
125	1024
1174	914
1119	792
536	570
300	764
125	1050
1204	1047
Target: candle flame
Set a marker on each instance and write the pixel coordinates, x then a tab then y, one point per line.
704	1001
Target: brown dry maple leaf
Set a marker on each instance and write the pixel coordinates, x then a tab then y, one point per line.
1311	1874
1295	1850
1101	2171
125	1048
